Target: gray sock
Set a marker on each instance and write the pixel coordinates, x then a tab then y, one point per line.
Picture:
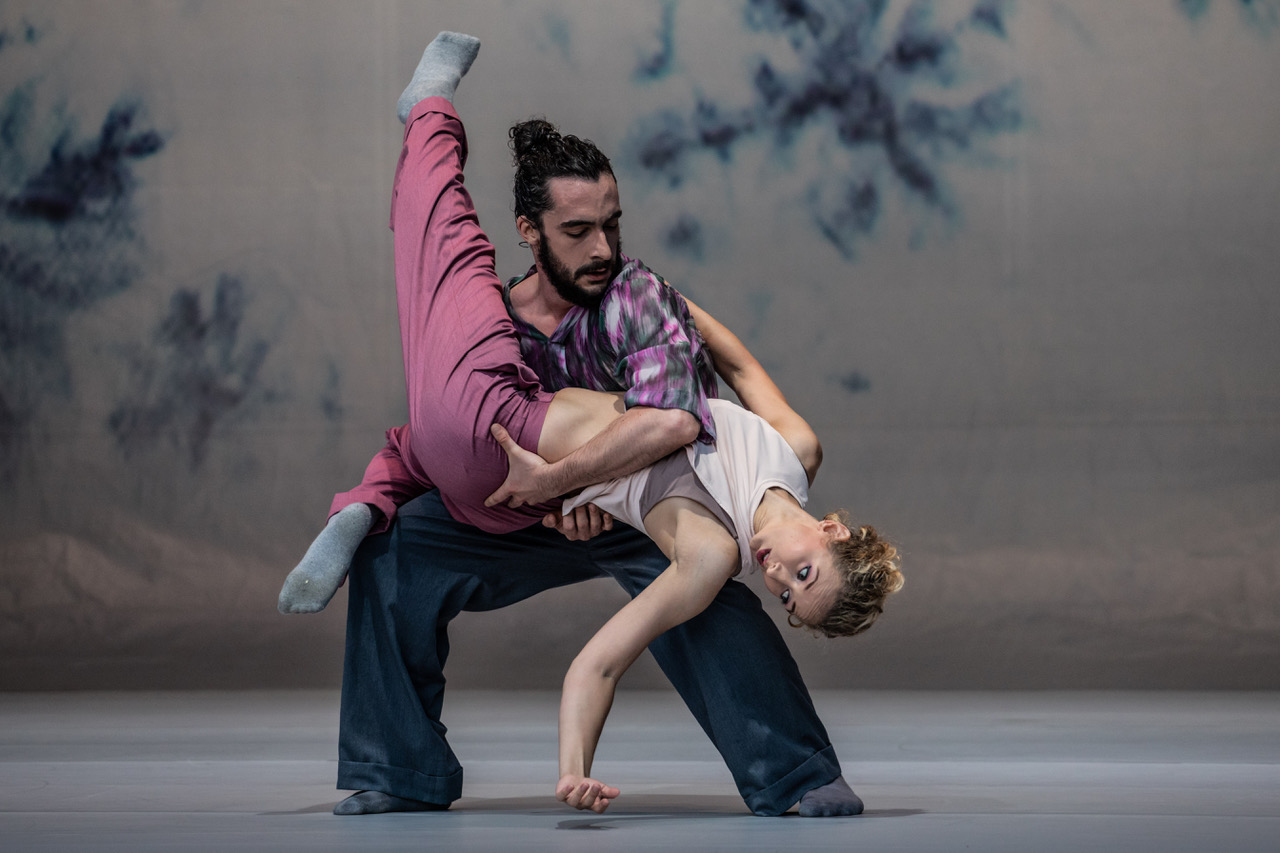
831	800
439	71
313	582
376	802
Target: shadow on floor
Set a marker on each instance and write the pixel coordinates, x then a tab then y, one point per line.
640	807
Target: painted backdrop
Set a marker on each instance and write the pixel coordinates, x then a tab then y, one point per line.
1016	260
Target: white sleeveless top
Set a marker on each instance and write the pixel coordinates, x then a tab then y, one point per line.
749	457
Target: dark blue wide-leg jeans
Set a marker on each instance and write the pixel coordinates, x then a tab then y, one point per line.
729	664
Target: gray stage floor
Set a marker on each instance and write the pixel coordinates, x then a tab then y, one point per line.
939	771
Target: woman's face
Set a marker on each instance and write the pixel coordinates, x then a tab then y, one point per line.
798	569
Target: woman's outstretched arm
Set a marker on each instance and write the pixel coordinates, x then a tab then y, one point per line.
704	556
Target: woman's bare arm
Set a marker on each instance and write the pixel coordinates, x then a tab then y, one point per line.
756	389
704	556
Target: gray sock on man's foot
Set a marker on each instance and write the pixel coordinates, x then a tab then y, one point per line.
441	68
376	802
834	799
313	582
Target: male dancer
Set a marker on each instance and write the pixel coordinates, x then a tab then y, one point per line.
406	585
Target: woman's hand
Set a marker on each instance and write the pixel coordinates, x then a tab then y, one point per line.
583	793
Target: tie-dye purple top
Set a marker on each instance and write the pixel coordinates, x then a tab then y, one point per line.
640	340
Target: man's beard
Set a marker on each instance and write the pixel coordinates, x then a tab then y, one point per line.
565	281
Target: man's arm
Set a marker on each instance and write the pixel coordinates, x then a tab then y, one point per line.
581	445
756	389
647	338
608	446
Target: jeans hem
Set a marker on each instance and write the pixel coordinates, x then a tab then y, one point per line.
820	769
399	782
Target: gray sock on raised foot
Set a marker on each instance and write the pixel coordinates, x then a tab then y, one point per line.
441	68
835	799
311	584
376	802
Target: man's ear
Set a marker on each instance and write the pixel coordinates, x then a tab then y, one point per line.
528	230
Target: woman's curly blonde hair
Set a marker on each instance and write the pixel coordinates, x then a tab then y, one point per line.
868	567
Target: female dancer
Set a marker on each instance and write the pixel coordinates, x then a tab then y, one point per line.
714	511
